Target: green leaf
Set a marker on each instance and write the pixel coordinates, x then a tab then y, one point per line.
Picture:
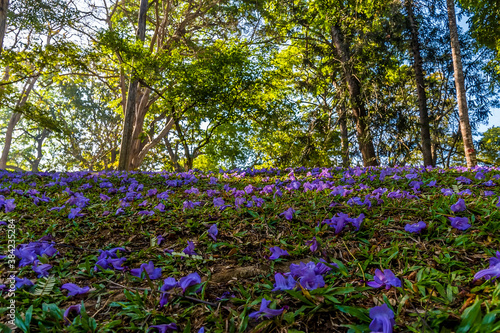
471	316
359	313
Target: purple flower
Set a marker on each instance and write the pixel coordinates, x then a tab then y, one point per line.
382	319
104	197
189	249
386	278
75	212
119	211
489	183
164	328
459	206
415	227
310	280
160	207
23	282
153	273
159	239
74	290
314	244
288	214
264	311
218	202
189	280
282	283
277	252
41	270
463	180
73	308
493	271
460	223
447	191
146	212
168	284
212	232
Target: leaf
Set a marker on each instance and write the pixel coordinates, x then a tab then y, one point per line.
45	287
359	313
299	296
471	316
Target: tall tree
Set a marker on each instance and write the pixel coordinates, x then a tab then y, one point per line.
425	135
4	6
130	107
463	111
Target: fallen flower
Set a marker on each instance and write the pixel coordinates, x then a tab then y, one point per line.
74	290
459	206
382	319
282	283
164	328
386	278
153	273
41	270
493	272
264	311
277	252
288	214
189	249
460	223
212	231
415	227
190	280
73	308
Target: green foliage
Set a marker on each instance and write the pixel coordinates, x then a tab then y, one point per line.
490	146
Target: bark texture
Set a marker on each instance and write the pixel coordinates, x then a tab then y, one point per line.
14	119
130	108
358	108
463	111
425	134
4	6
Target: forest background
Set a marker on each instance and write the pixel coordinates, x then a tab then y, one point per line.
262	83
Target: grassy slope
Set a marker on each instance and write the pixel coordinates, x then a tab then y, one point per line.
436	266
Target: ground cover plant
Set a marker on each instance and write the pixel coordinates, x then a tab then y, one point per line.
298	250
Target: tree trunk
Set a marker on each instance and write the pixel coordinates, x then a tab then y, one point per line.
344	137
425	134
358	109
463	112
39	153
14	119
130	108
4	6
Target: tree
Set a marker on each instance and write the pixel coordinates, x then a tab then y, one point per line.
419	78
470	153
489	146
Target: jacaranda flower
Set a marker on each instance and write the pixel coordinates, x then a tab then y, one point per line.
189	249
415	227
73	308
168	284
282	283
493	271
153	273
382	319
460	223
164	328
386	278
288	214
264	311
74	290
189	280
459	206
277	252
212	232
